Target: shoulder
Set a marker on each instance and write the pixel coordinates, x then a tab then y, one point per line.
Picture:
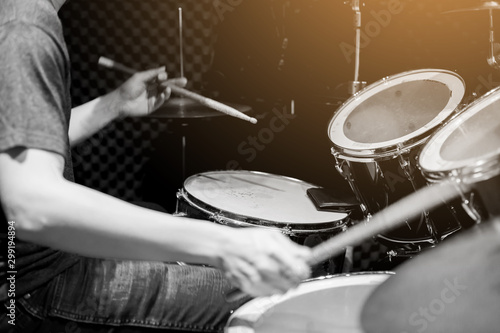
26	50
29	44
30	21
27	34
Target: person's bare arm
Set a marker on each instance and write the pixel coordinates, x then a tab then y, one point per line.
50	211
143	93
89	118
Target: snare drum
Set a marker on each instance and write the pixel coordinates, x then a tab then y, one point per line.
467	150
377	135
330	304
258	199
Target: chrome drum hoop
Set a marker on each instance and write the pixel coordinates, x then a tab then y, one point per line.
251	315
241	221
353	150
469	170
234	219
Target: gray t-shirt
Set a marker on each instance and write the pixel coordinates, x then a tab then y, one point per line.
35	106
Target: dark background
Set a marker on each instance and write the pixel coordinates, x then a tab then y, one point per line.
231	52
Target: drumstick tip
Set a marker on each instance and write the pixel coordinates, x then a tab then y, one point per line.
109	63
105	62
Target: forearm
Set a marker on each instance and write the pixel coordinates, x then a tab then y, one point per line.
76	219
51	211
90	117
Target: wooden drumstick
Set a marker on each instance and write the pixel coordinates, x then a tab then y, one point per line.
105	62
221	107
181	56
384	220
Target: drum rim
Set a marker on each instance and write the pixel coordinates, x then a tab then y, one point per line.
269	301
382	149
417	242
237	220
467	170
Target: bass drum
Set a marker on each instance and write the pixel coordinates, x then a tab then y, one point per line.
258	199
377	135
326	305
467	150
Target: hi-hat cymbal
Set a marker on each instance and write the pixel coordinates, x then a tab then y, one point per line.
188	109
486	5
454	287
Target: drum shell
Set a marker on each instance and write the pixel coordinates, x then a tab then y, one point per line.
479	202
380	182
488	191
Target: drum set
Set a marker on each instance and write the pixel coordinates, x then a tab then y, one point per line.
393	138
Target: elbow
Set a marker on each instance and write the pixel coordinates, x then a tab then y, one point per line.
27	212
28	226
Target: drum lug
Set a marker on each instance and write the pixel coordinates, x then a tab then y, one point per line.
405	164
180	194
401	252
180	214
470	208
344	170
467	202
218	218
339	165
288	231
391	254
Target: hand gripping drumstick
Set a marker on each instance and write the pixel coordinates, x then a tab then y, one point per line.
105	62
384	220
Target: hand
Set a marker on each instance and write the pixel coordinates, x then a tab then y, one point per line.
144	92
262	262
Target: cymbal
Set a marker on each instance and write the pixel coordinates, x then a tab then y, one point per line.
487	5
453	287
188	109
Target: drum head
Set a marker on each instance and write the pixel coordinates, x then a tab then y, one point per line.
397	111
331	304
467	143
258	196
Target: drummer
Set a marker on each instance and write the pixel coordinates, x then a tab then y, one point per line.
82	260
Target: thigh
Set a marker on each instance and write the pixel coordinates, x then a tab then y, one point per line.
142	295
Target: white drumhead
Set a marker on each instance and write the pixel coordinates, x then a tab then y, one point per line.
396	110
469	139
258	195
327	305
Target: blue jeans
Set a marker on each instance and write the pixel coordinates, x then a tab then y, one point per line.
99	295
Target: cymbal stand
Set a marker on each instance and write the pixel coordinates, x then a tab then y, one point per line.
492	58
356	85
180	43
181	55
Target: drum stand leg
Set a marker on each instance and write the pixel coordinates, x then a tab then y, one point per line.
183	157
356	85
348	260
